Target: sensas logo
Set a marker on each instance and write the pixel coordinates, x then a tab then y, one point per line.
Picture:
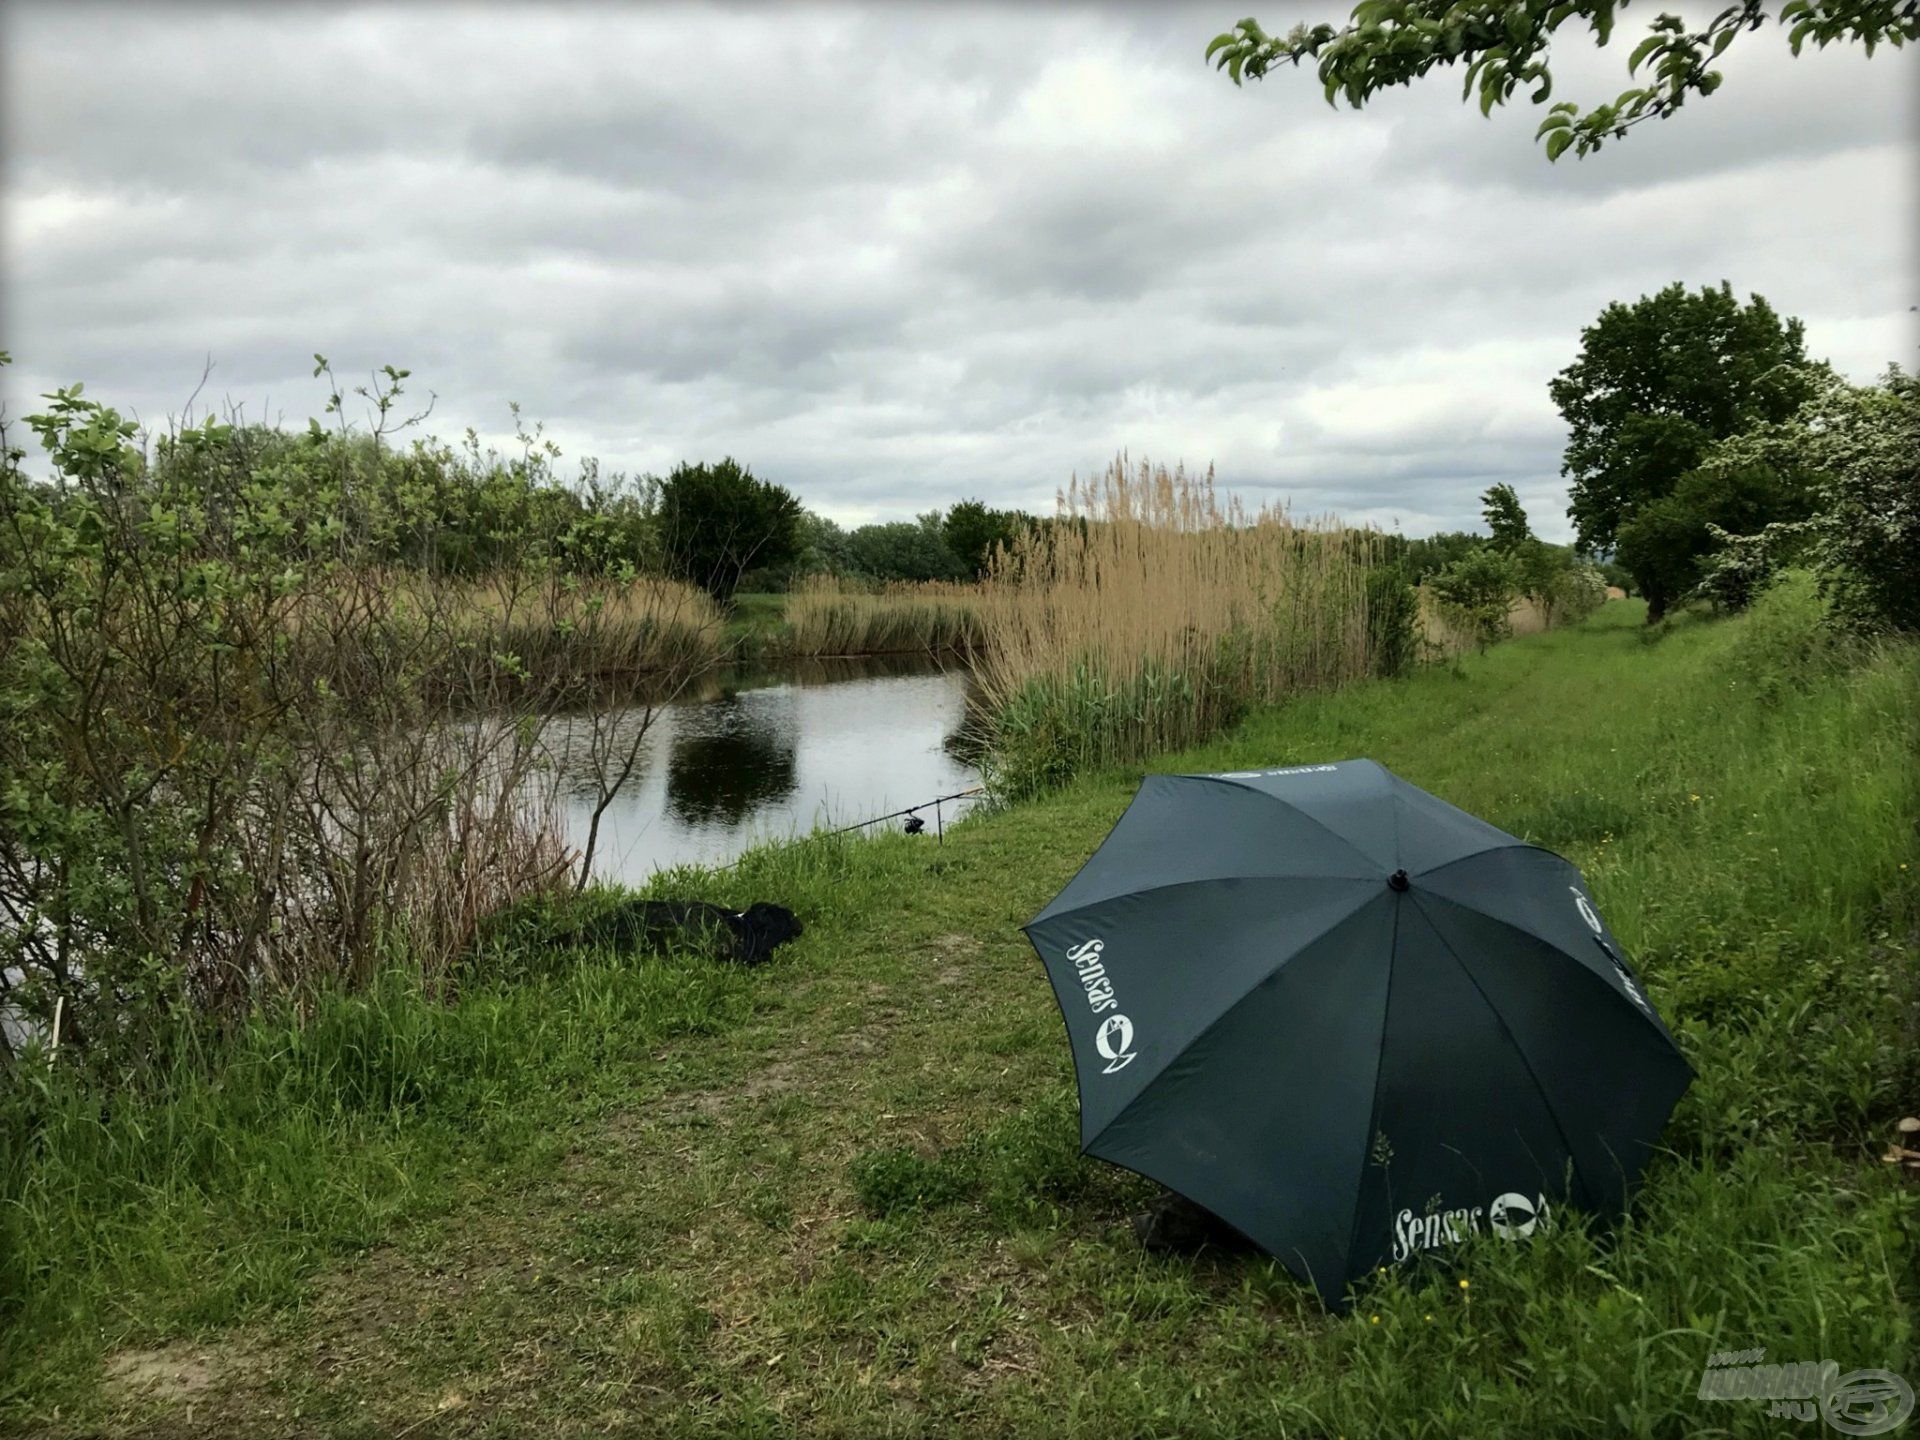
1511	1216
1114	1041
1114	1038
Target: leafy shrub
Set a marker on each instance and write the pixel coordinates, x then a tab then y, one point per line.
1866	531
1574	591
1393	621
1788	642
1476	592
255	740
1852	453
1743	566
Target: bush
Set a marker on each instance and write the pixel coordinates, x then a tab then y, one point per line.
1574	591
717	522
1393	621
1476	593
1789	642
1742	566
1866	534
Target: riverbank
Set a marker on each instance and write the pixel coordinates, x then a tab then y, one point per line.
841	1196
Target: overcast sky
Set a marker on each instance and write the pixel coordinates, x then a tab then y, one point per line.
891	257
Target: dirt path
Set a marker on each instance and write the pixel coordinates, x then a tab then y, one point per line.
699	1245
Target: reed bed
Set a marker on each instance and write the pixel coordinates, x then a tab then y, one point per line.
516	630
1151	613
827	617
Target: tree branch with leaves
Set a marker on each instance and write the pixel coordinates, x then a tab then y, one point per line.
1504	47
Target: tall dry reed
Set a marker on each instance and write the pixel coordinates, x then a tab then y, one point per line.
828	617
1151	612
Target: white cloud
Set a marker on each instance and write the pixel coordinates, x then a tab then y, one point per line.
896	256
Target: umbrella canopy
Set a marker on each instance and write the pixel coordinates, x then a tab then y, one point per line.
1354	1022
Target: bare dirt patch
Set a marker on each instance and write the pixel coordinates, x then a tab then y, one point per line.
167	1372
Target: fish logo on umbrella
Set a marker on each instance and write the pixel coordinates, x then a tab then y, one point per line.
1114	1041
1514	1216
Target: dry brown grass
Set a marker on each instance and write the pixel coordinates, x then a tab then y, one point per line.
827	617
1152	612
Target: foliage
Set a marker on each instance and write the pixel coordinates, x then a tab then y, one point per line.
1666	541
903	550
1737	569
1505	46
1863	442
1419	559
1612	572
1506	518
1658	382
243	757
1393	620
718	521
1846	461
1477	592
973	531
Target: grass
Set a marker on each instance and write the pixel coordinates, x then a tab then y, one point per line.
841	1196
755	620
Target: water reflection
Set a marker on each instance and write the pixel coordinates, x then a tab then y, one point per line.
755	754
733	756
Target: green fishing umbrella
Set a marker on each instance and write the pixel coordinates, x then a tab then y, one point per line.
1353	1021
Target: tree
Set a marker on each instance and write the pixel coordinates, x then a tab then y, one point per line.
904	550
1505	44
1666	541
1506	518
1657	383
719	521
1865	443
1853	453
973	529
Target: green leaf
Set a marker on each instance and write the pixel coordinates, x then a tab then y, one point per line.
1645	48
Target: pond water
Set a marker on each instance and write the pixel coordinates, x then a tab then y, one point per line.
758	754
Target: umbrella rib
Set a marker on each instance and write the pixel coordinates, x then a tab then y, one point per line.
1659	1026
1546	1099
1371	866
1133	890
1373	1107
1225	1011
1512	844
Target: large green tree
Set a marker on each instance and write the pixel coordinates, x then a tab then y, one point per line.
973	529
716	522
1657	383
1506	44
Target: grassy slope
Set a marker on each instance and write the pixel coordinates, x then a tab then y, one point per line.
856	1208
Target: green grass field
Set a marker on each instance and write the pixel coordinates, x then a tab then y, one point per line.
841	1196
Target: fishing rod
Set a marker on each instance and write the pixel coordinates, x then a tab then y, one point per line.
913	827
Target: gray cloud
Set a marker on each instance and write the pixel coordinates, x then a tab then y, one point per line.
893	256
